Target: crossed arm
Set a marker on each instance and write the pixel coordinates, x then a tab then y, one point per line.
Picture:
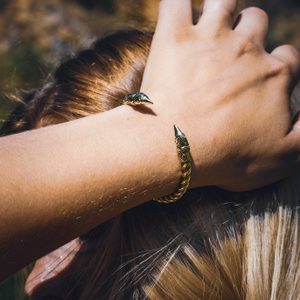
213	79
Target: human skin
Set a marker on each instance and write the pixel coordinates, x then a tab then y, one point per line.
237	89
59	182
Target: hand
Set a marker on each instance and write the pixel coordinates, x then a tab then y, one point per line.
229	96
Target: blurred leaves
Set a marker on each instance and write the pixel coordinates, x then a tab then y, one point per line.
23	66
36	35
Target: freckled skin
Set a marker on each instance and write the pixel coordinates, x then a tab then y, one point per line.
226	93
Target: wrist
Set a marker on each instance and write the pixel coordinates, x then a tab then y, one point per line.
201	143
156	159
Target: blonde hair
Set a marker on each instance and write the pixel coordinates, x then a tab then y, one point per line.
211	245
260	263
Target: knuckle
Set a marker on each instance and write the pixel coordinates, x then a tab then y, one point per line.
258	12
213	35
246	44
181	36
293	51
220	12
281	68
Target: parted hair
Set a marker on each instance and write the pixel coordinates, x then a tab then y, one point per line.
212	244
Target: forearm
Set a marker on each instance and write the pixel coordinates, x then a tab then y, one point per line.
59	182
55	187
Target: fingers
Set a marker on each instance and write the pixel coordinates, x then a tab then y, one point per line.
253	23
174	14
290	56
218	14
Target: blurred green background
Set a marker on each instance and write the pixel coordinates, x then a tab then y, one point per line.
36	35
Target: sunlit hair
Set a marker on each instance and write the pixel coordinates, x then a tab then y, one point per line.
210	245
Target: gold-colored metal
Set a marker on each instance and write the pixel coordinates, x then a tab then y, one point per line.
183	150
184	154
135	99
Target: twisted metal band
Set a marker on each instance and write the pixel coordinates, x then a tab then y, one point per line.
183	150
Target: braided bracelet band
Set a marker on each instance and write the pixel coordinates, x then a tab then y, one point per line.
183	150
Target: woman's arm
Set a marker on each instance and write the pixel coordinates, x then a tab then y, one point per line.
218	85
59	182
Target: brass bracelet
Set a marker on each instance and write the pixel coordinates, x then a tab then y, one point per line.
184	154
183	150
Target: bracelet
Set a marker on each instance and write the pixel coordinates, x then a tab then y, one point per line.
183	150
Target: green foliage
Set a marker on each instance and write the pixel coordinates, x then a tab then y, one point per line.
23	67
34	33
13	288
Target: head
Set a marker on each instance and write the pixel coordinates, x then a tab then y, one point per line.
212	244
